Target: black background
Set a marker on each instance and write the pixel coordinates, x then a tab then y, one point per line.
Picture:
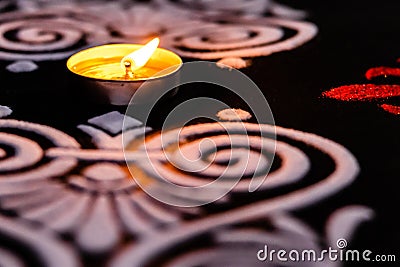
353	36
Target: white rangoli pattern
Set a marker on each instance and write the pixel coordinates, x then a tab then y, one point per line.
87	193
53	30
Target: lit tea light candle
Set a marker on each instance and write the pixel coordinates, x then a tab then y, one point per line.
124	62
116	71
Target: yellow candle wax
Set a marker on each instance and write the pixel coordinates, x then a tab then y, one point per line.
110	69
104	63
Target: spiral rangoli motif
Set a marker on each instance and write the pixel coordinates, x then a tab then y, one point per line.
206	156
238	38
49	34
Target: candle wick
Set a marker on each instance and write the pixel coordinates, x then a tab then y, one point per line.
128	70
127	64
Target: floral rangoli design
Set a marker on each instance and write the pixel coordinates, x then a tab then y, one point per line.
88	194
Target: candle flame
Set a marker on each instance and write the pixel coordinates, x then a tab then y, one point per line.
139	58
